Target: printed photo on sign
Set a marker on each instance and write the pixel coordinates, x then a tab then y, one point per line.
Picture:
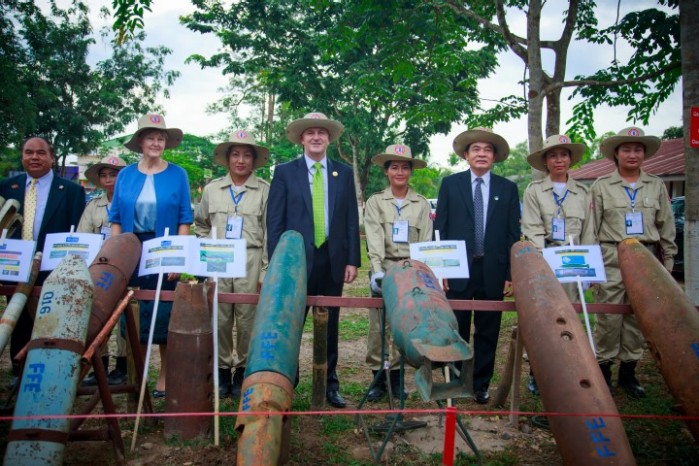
447	259
167	254
16	260
202	257
570	262
222	258
59	245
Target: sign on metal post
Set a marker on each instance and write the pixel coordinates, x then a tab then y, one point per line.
694	127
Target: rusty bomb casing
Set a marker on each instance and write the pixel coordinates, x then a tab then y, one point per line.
425	329
565	366
50	378
189	363
669	322
110	272
273	355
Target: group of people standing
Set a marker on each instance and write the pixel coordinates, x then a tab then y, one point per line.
316	196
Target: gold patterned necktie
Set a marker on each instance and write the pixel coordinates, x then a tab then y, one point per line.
29	211
318	194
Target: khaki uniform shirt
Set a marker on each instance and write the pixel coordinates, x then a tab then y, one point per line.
95	216
609	204
217	205
540	209
379	214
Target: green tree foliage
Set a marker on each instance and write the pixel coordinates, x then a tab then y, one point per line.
393	71
673	132
516	168
50	90
642	82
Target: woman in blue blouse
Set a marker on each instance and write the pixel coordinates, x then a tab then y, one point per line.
152	195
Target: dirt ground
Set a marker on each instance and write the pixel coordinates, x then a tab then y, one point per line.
336	439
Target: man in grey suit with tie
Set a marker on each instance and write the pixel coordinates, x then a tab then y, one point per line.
483	209
57	204
316	197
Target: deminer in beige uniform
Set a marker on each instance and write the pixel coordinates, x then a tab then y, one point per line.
236	206
393	218
628	203
95	219
554	207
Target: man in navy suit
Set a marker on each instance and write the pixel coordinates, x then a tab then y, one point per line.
59	205
333	259
489	257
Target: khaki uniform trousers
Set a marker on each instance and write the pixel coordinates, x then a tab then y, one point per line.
617	336
374	358
235	321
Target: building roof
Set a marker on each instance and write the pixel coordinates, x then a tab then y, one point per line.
668	161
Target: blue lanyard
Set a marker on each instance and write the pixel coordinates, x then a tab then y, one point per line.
559	202
236	199
399	209
632	197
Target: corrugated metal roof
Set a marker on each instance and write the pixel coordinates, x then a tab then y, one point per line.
668	161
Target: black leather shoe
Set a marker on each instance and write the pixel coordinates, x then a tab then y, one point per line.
482	398
89	381
335	399
224	382
376	393
158	394
628	380
117	377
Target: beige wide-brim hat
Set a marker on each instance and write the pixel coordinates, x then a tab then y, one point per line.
398	153
241	137
536	159
154	121
463	140
313	120
630	134
93	172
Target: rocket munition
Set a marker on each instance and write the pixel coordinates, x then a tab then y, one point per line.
52	368
424	328
669	322
565	366
273	355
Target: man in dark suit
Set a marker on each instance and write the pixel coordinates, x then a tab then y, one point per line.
59	205
489	231
330	229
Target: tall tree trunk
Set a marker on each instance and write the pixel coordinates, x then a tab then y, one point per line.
553	112
689	25
270	116
537	80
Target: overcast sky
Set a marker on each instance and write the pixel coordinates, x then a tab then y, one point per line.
196	87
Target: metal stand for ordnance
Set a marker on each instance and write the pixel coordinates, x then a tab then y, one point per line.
320	356
104	392
395	423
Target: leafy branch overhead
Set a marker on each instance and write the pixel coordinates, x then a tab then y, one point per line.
128	18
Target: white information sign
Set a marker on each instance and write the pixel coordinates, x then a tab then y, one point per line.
59	245
570	262
224	258
447	259
16	259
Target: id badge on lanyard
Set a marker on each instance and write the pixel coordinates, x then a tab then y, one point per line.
234	227
558	224
400	231
633	219
234	224
558	229
106	232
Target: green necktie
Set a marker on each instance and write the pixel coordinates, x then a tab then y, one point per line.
318	194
